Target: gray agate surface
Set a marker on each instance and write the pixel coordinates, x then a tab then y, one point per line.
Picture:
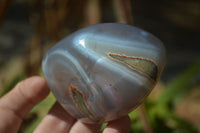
104	71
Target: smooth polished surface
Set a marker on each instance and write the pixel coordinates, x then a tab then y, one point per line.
104	71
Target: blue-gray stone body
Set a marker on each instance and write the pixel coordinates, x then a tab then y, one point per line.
104	71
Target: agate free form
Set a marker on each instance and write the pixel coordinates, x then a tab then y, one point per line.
104	71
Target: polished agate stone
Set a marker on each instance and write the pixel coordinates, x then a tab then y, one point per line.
104	71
